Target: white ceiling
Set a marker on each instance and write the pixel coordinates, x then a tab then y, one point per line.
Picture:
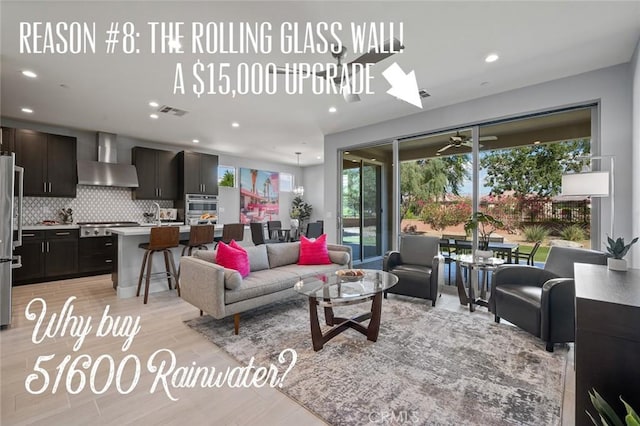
445	44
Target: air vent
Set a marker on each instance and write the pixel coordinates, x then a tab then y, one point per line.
423	93
166	109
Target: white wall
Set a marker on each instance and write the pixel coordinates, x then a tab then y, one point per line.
313	181
635	67
610	86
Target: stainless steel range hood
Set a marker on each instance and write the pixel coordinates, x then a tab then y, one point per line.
107	171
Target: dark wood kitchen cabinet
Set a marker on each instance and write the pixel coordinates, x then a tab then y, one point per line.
7	141
49	161
32	254
47	255
157	174
198	173
96	254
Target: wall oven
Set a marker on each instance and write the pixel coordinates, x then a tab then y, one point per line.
199	208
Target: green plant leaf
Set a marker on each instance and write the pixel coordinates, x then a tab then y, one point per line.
631	414
604	409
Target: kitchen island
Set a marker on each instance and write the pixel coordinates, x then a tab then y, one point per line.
129	257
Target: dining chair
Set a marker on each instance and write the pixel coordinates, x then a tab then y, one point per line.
231	231
529	256
274	228
314	230
257	234
447	249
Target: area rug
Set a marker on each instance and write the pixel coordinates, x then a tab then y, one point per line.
429	366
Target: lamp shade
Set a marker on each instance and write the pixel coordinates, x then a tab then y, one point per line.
593	184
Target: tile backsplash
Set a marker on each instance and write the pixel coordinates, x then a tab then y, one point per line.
92	203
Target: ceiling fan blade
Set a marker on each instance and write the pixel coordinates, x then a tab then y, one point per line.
376	55
467	143
488	138
347	94
284	70
350	97
444	148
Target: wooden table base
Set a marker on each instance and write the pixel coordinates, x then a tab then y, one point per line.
341	324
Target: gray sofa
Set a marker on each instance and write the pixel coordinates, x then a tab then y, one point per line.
222	292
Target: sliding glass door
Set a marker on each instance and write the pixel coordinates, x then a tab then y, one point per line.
361	207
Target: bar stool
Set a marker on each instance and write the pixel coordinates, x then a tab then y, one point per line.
199	236
160	239
231	231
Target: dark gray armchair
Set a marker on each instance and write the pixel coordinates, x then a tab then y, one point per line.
418	266
541	301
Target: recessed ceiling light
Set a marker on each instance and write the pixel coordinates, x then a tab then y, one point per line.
536	142
29	73
27	110
235	124
154	104
319	157
491	58
347	152
332	109
154	116
196	141
373	159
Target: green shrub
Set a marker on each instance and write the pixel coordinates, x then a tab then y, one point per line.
409	215
535	233
573	233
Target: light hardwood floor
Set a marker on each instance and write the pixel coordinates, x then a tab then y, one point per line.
161	327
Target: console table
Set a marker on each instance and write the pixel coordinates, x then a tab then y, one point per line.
607	337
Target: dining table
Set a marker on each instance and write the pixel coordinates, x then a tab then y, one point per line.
508	251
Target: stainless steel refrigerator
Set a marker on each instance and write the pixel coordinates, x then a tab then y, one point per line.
10	216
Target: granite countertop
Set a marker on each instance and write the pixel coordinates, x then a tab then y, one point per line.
146	230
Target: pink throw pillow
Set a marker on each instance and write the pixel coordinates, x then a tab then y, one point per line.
236	246
232	258
314	251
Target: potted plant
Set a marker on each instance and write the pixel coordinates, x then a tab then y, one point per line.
486	225
608	416
300	212
617	251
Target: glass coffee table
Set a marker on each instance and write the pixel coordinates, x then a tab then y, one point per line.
331	290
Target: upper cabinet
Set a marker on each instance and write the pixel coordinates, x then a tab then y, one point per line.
198	173
49	161
157	174
7	141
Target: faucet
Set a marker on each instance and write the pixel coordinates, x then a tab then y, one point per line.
157	206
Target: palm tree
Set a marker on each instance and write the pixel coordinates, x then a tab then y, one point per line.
254	177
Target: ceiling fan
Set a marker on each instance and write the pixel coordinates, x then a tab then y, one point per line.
459	140
373	56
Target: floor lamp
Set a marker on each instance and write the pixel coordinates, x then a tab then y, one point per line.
592	184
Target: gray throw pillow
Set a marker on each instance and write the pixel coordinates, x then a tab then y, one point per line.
281	254
258	259
232	279
339	257
209	256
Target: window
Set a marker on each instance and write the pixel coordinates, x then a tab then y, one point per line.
286	182
226	176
